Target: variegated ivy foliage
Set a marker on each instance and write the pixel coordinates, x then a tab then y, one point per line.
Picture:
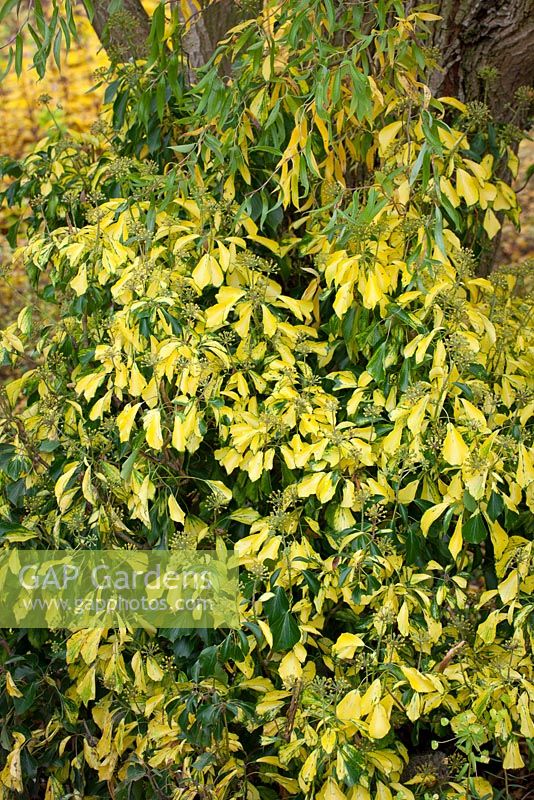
345	405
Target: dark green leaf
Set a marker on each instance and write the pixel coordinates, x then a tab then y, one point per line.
474	530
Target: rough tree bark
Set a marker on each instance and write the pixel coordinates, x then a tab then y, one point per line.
478	33
124	33
207	28
499	35
473	33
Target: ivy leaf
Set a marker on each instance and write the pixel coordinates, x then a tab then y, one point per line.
474	530
284	627
375	366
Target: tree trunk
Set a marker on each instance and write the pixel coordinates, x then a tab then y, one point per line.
497	38
477	33
472	34
209	26
123	33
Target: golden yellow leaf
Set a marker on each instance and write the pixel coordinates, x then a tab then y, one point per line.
416	416
331	791
207	272
229	188
379	725
137	381
387	135
328	740
526	715
266	67
63	480
403	619
475	414
487	630
79	282
350	707
454	102
326	488
423	346
125	421
403	192
512	756
153	669
509	587
455	451
290	668
483	788
254	466
89	384
176	513
359	792
101	406
371	292
431	515
418	682
87	487
457	540
179	434
466	186
85	688
270	244
407	493
525	467
270	322
152	426
346	645
382	792
309	768
414	707
266	632
11	686
449	191
428	17
90	644
491	224
499	537
11	775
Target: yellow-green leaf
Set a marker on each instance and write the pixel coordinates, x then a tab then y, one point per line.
125	421
387	135
350	707
455	451
152	426
512	757
379	725
207	272
431	515
457	540
176	513
331	791
346	645
79	283
491	224
11	686
86	688
418	682
466	186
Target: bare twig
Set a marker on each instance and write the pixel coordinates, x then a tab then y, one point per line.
446	660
